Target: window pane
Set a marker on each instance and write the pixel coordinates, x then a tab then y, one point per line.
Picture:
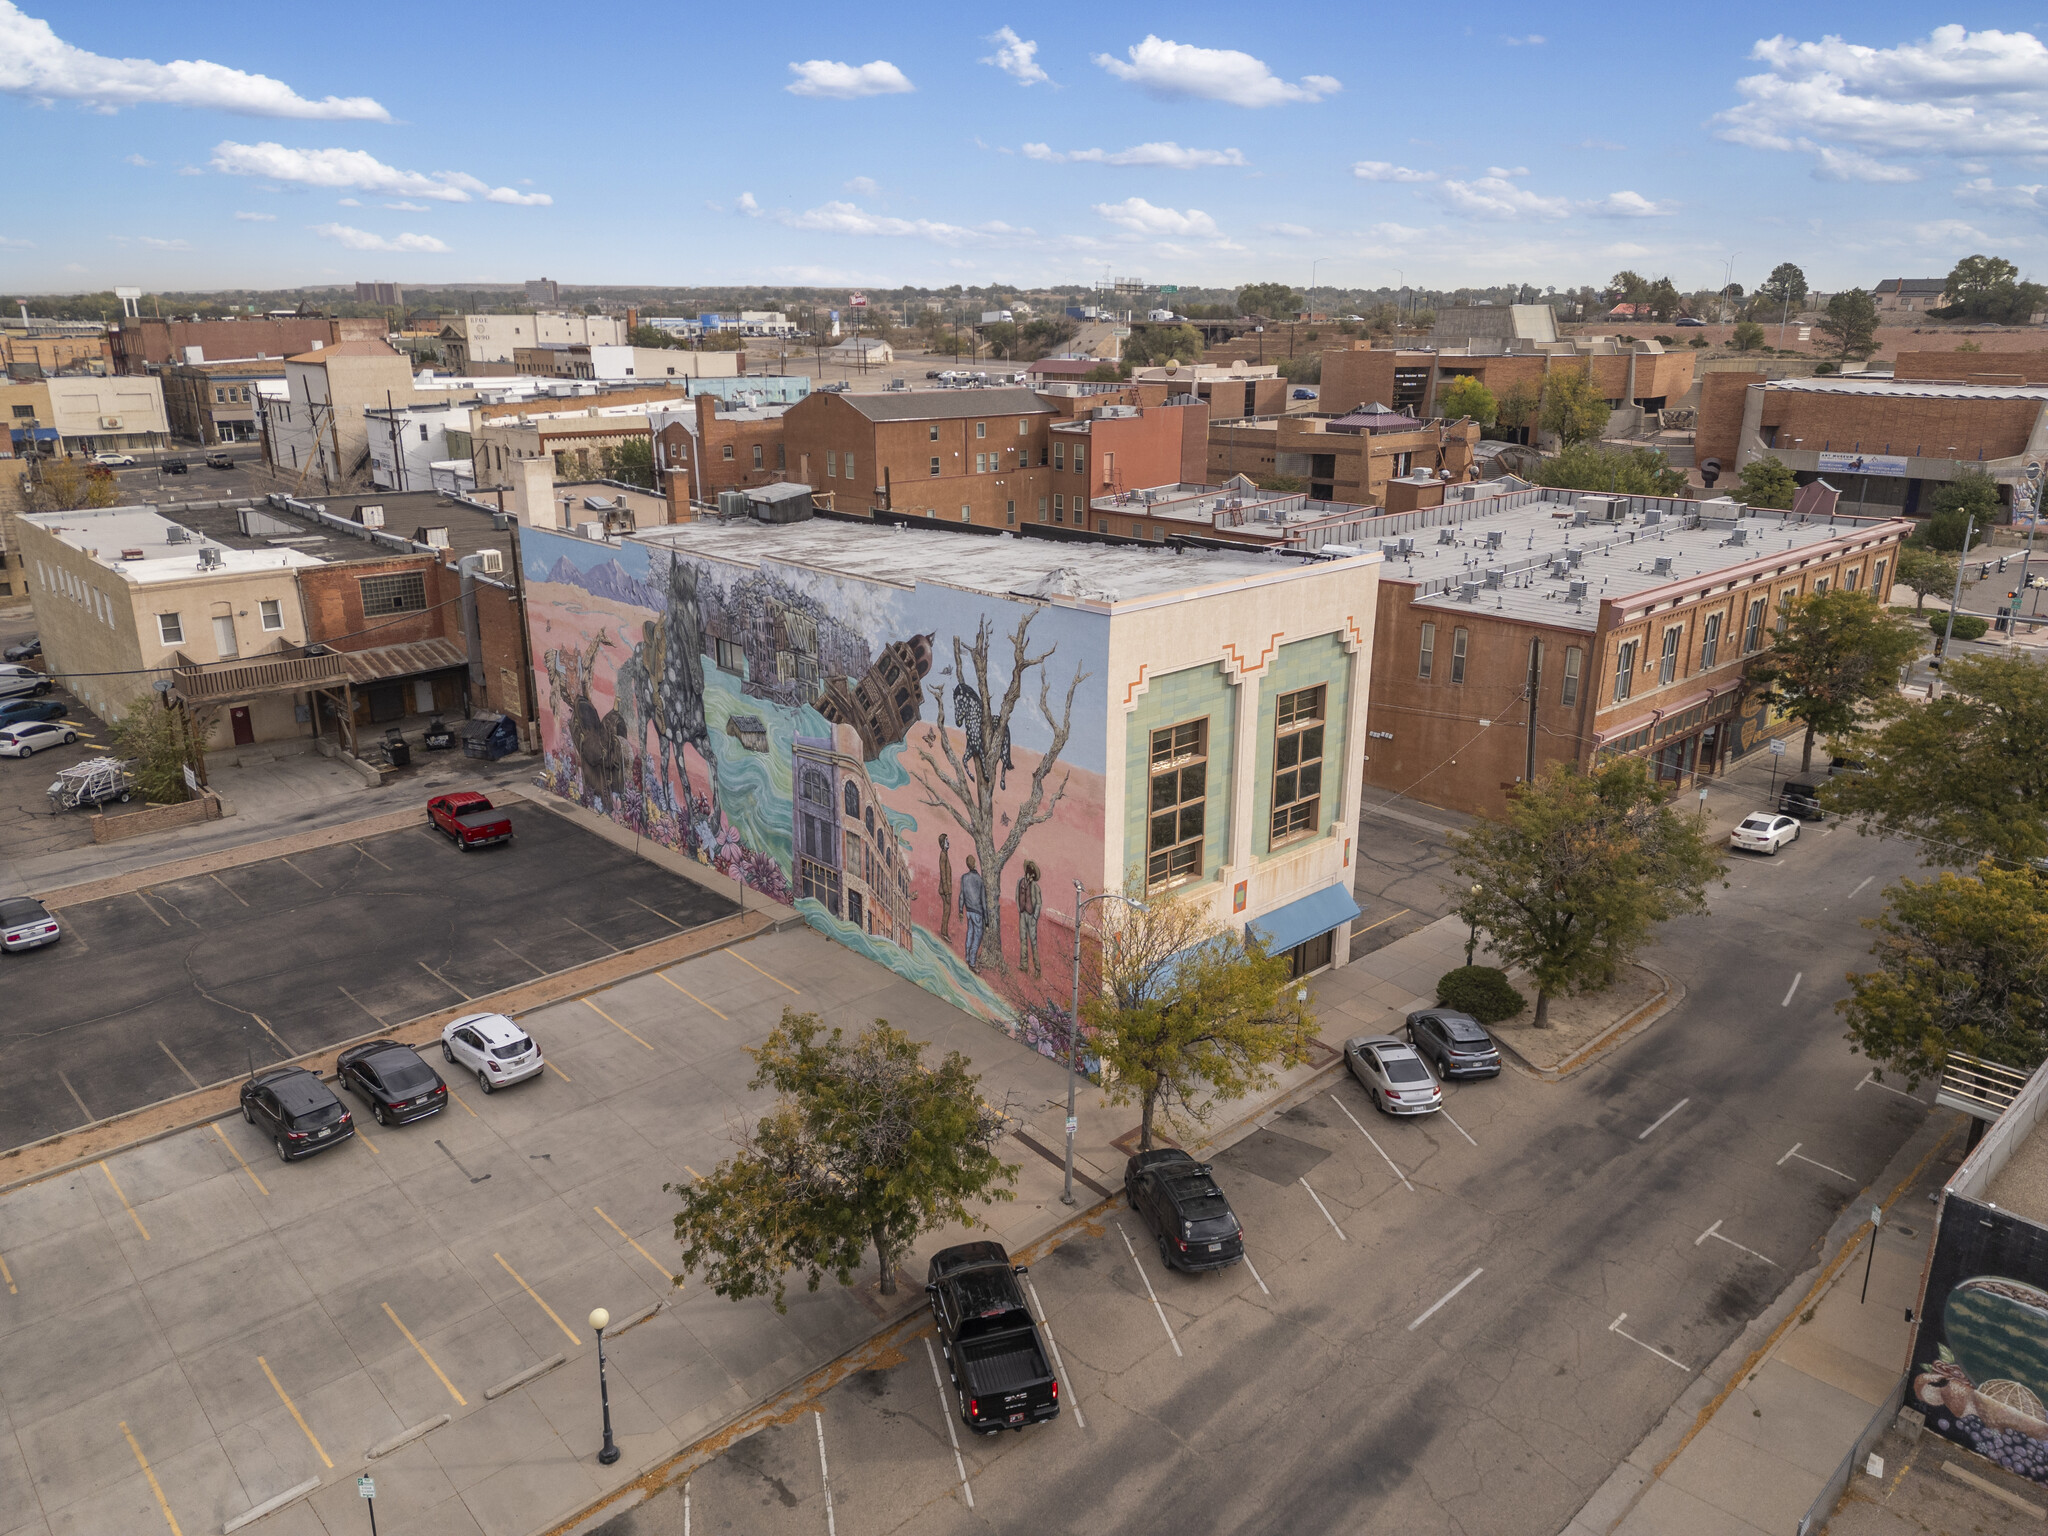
1311	779
1162	830
1283	788
1191	821
1194	781
1312	742
1290	751
1163	792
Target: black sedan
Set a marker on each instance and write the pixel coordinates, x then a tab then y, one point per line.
28	650
298	1112
393	1080
1178	1199
1454	1043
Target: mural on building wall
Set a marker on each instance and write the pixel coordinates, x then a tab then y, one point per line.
916	769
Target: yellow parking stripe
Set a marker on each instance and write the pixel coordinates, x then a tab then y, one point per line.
650	1258
223	1135
296	1415
565	1077
693	997
8	1276
415	1343
536	1298
615	1024
155	1487
366	1141
743	960
458	1098
131	1216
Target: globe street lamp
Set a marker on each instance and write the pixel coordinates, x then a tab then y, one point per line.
1081	903
601	1320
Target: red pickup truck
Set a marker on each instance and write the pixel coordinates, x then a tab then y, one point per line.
469	819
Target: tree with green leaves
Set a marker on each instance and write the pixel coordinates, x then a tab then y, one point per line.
1923	572
1849	323
1570	881
70	484
1964	775
1185	1014
1971	495
154	743
1962	966
1467	397
1835	653
1767	483
1989	288
867	1146
654	336
1572	406
1151	346
1517	407
1268	301
1784	290
1747	336
1630	288
1618	471
631	462
1662	297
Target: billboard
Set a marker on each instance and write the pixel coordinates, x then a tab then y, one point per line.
1863	464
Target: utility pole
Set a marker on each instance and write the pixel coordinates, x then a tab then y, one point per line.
1955	600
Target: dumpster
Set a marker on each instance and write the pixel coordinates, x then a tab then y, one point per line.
489	737
396	750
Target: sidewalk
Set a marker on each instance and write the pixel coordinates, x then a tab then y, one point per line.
1756	1437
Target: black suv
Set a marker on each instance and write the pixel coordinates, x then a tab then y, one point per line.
1454	1043
297	1111
397	1084
1178	1199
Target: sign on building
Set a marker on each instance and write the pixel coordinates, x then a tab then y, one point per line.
1862	464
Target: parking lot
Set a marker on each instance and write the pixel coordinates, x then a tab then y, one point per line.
186	983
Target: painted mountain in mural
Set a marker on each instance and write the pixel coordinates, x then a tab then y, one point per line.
609	580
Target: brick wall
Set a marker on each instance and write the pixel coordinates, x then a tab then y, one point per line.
821	430
332	597
1973	367
1917	427
1720	417
502	652
726	460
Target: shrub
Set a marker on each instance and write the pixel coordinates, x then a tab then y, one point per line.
1480	990
1968	626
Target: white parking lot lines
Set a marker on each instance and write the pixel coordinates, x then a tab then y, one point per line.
1859	886
1457	1127
1615	1327
1120	1232
180	1066
1255	1273
445	981
1795	1152
1870	1081
825	1472
946	1413
1447	1295
1375	1146
1066	1381
1326	1212
1674	1109
1797	977
1715	1232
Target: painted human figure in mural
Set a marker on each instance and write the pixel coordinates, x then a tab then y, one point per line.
945	889
974	907
1030	903
680	720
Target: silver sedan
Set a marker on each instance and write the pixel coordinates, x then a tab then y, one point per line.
1393	1074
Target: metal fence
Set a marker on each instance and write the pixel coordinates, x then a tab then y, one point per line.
1816	1517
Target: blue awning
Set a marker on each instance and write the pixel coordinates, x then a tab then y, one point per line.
1302	919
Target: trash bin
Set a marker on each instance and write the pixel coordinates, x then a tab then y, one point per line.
396	752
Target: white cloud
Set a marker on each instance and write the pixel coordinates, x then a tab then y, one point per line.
1386	170
1854	165
1497	197
152	242
9	244
1533	40
1017	58
360	170
1167	68
846	82
748	206
257	218
190	170
1292	231
1166	153
1134	213
866	186
1628	205
841	218
35	62
1507	172
1984	194
138	160
363	240
402	207
349	202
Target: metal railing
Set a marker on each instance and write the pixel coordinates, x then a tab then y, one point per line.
1978	1087
289	674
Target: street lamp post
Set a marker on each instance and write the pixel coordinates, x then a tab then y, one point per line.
1472	933
1081	904
601	1320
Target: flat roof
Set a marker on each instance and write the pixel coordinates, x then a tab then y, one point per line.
1885	387
170	550
946	404
1616	559
1002	565
1242	505
261	527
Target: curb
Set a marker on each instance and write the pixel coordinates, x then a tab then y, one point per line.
1644	1014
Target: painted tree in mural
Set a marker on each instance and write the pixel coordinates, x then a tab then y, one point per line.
677	665
975	769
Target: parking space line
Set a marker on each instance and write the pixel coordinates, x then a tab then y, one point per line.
286	859
155	1487
288	1051
615	1024
1797	977
458	1098
344	991
1255	1273
1368	928
1859	888
298	1417
693	997
1457	1127
1715	1232
366	1141
74	1096
650	1258
607	943
825	1472
946	1413
223	1135
1795	1152
124	1200
662	915
1058	1364
565	1077
1375	1145
1674	1109
359	848
1447	1295
1139	1266
444	981
743	960
152	911
415	1343
180	1066
216	879
538	970
7	1275
536	1298
1326	1212
1615	1327
1870	1081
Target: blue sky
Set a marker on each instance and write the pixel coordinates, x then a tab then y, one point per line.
201	146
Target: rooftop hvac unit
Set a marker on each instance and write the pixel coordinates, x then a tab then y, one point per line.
1652	517
491	561
176	535
1468	591
1390	549
1559	564
209	557
732	504
1580	518
1577	590
1495	575
1407	544
1661	566
1738	537
591	531
1603	509
1574	558
370	517
1447	535
1494	537
433	538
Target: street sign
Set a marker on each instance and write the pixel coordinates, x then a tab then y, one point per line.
191	779
1777	749
367	1487
1877	1215
1073	1124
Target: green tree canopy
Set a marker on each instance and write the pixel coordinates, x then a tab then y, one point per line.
1269	301
1518	404
654	336
1835	653
1784	288
1966	774
153	742
1621	471
1572	406
1151	346
68	484
631	463
1849	323
1580	869
1767	483
1747	336
1467	396
1962	965
867	1146
1970	495
1924	571
1662	298
1989	288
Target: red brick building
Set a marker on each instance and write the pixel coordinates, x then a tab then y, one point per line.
962	455
1408	379
716	447
135	344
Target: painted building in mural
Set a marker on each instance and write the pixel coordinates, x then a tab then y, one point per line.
922	740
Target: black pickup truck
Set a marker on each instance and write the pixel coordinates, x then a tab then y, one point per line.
993	1351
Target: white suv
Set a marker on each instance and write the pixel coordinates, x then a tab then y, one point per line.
113	460
493	1047
18	682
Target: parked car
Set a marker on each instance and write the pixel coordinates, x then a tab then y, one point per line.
1454	1043
1393	1075
393	1080
1304	394
498	1051
1800	796
1687	320
25	923
469	820
298	1112
113	460
14	711
992	1348
1763	832
17	681
174	466
1190	1217
25	738
220	459
27	650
